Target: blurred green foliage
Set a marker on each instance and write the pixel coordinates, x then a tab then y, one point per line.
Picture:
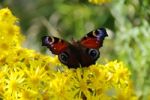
132	41
127	23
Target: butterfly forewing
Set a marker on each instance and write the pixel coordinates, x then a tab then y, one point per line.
94	39
56	45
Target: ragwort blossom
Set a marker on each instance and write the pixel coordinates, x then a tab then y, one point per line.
99	1
28	75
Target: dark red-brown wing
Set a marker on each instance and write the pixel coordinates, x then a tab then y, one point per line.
94	39
56	45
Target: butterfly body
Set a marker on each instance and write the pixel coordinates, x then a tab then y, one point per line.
78	53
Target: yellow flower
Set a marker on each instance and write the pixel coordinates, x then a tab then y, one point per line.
99	1
36	75
28	75
10	37
14	81
6	16
28	94
58	86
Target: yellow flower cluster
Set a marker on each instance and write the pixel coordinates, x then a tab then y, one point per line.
99	1
28	75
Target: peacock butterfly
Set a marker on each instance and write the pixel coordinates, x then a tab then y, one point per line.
84	52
